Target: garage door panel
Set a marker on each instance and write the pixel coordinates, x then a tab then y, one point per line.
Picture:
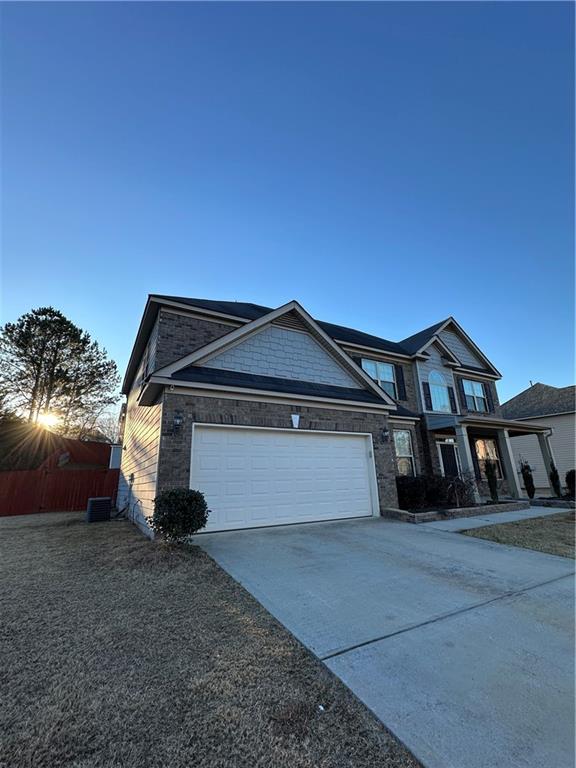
255	477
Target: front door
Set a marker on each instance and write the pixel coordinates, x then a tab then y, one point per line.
449	459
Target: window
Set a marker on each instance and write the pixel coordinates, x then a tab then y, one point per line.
475	395
404	453
486	449
439	393
383	374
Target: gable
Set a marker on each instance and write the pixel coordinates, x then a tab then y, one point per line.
434	362
284	353
461	349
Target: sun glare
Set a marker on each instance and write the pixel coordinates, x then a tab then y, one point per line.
48	420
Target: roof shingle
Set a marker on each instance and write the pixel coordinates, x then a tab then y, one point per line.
540	400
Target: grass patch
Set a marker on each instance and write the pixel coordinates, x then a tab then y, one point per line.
120	652
553	534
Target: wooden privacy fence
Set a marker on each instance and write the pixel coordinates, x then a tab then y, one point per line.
24	492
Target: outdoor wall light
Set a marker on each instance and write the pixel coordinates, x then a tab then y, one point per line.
385	435
295	420
177	422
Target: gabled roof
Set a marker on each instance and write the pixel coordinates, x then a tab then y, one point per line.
419	341
414	343
249	311
241	309
245	312
243	332
540	400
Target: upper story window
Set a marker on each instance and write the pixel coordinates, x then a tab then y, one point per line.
439	393
383	374
475	395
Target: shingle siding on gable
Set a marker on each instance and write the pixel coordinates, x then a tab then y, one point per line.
284	354
462	351
434	363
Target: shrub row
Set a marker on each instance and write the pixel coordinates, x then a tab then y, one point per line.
434	491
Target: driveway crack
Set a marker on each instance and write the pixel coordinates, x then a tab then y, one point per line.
443	616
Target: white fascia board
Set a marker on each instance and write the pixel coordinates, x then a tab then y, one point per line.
478	351
463	371
239	334
373	350
437	340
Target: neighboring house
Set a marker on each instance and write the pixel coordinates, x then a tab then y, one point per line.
553	407
280	418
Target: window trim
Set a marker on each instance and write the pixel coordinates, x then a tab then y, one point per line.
454	444
378	380
405	456
474	397
445	386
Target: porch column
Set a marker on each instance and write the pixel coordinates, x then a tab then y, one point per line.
548	456
507	459
465	455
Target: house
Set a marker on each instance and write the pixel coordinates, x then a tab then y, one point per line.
553	407
280	418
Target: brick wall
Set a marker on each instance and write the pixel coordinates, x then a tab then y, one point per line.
179	335
175	454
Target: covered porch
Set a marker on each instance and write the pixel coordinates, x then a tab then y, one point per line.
461	445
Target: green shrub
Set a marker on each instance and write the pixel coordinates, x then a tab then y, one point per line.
526	471
179	513
571	482
492	478
555	480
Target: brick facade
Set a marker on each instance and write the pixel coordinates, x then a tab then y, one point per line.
175	453
179	335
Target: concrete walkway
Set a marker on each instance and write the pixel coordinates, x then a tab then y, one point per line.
480	521
462	647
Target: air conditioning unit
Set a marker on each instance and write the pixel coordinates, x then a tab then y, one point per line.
99	509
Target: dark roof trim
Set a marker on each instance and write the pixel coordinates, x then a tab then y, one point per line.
220	377
247	312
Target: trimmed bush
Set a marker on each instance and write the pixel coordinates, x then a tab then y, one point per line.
179	513
434	492
571	482
555	480
526	471
492	478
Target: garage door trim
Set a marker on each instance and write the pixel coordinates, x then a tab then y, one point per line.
368	437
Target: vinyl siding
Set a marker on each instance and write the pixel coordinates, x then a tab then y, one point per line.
462	350
434	363
283	353
563	444
140	457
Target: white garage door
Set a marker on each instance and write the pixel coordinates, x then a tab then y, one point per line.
257	477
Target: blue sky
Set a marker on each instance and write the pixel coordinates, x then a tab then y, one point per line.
385	164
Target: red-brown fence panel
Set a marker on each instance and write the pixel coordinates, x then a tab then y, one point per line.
59	490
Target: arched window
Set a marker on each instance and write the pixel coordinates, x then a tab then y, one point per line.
439	392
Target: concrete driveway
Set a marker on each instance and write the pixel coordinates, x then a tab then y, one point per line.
462	647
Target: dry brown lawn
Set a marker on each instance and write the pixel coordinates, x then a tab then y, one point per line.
553	534
119	652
